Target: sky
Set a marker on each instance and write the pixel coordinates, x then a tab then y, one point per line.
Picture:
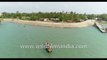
79	7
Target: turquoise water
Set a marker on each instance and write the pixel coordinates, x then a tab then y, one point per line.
13	35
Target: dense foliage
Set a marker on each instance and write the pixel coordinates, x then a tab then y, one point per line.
63	16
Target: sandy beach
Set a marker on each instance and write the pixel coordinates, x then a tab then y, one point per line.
53	24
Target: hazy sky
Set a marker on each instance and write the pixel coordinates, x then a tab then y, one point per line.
79	7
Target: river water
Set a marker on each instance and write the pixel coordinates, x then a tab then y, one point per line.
13	36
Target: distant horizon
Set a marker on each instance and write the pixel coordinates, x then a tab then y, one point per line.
78	7
52	11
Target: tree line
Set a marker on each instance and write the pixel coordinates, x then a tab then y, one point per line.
63	16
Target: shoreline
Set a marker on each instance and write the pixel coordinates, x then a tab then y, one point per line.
53	24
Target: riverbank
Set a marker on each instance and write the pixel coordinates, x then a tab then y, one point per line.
53	24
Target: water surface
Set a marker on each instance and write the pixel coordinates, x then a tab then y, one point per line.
13	35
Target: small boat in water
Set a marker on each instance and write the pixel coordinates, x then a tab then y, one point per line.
48	47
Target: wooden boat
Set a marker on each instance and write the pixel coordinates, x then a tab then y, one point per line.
48	47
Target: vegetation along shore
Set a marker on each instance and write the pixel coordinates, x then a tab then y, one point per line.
53	19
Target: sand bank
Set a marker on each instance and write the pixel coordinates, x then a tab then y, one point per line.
53	24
